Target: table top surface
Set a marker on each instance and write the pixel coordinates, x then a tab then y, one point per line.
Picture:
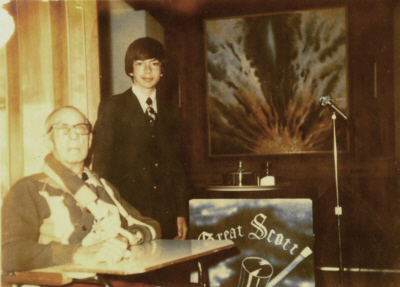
147	257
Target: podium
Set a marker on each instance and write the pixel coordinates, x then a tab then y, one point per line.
273	224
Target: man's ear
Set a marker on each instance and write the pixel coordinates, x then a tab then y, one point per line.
48	142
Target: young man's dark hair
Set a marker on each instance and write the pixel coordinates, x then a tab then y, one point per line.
142	49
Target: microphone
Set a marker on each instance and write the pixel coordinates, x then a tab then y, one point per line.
328	101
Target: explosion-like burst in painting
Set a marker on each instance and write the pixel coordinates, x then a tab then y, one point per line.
266	75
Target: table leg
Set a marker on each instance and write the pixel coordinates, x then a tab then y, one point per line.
204	280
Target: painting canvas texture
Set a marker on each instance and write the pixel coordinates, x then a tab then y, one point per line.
265	77
270	234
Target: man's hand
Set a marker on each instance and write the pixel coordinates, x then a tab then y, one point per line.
109	251
182	228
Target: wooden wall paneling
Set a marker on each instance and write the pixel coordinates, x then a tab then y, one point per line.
92	59
14	138
83	56
193	95
77	56
36	78
370	44
385	79
4	144
105	52
34	50
361	53
396	54
61	68
369	237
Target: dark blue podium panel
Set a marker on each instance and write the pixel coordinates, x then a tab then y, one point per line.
274	238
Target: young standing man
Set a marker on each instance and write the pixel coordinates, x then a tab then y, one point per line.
137	142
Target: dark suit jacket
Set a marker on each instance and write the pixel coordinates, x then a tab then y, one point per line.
145	165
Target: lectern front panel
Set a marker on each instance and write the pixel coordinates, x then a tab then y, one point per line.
274	237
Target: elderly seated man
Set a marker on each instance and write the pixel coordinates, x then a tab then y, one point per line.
67	214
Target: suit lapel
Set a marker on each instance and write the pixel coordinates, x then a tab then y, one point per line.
133	102
163	123
136	115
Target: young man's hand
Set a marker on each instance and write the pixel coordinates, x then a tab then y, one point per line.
182	228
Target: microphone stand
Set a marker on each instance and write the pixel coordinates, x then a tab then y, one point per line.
338	208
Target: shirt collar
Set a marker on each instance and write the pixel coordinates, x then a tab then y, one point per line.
143	98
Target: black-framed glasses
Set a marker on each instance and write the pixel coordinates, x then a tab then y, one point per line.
65	129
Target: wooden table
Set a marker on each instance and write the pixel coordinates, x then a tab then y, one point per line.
146	257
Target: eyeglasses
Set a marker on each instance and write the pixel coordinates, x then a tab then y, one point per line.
153	64
64	129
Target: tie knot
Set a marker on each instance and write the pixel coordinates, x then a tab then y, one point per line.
149	101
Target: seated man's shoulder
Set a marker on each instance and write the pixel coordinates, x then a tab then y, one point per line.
30	182
37	177
24	190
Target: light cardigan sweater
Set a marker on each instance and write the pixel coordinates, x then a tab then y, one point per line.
37	209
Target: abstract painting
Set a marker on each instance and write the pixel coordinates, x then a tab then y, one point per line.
265	78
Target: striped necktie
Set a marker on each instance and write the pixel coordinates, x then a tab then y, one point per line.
150	111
